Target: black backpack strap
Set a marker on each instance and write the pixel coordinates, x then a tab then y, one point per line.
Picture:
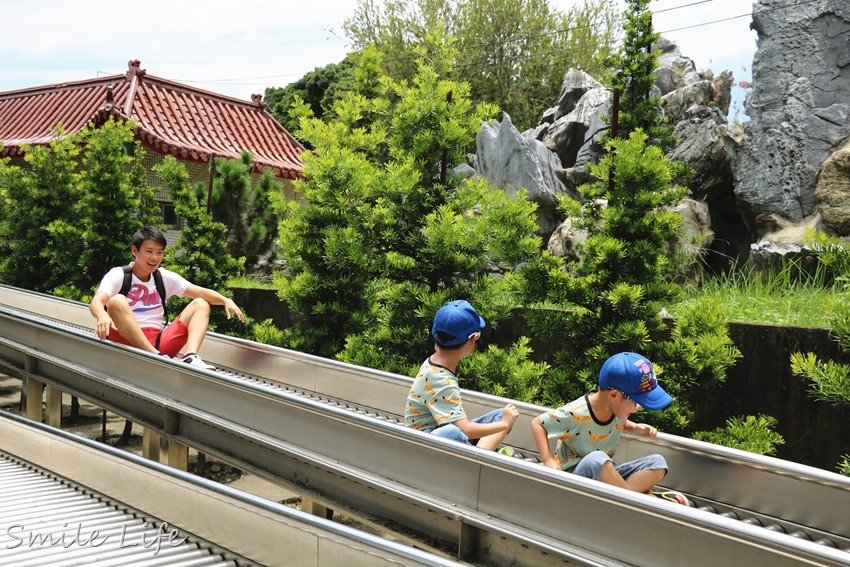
128	278
160	289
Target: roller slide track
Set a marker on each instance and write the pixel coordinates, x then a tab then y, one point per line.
66	500
332	429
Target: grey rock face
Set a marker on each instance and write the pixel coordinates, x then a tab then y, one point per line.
799	105
782	240
695	234
673	67
714	93
510	161
832	193
566	240
581	127
576	84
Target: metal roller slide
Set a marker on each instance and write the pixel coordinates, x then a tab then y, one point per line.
66	500
810	506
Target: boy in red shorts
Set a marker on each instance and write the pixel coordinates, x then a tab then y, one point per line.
136	316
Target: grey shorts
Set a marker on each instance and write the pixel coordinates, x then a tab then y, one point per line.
452	432
590	466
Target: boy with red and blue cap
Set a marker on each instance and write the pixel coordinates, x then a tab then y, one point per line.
588	429
434	404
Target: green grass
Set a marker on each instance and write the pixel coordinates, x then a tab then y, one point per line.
250	283
786	297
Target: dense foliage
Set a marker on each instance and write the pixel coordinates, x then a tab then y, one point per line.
71	212
31	198
610	301
389	235
244	206
319	89
751	433
512	53
200	254
830	380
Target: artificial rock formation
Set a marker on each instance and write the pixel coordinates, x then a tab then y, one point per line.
511	161
799	105
832	192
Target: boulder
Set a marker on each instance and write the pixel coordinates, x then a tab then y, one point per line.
798	106
672	68
512	162
576	83
566	240
832	191
537	133
713	93
581	128
695	234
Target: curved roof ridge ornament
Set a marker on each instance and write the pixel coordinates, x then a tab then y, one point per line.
134	75
258	100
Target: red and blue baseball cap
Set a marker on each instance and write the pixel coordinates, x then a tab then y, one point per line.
632	374
455	322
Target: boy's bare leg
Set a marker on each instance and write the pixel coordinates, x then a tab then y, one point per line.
641	481
126	324
609	475
491	442
196	317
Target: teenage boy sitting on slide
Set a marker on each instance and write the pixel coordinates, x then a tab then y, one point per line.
136	316
588	429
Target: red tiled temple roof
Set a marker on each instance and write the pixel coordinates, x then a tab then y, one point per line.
171	118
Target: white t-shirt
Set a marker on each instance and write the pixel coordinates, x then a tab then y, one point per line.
143	298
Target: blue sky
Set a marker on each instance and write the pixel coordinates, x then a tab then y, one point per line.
240	48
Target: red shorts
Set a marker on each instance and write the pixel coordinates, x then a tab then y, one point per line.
171	338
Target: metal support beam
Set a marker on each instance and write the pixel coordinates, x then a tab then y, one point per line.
54	406
468	542
150	444
34	389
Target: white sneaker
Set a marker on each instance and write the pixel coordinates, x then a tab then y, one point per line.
195	360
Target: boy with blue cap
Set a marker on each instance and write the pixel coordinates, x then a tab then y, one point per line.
588	429
434	404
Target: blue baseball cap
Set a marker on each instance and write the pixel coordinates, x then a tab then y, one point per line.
454	322
632	374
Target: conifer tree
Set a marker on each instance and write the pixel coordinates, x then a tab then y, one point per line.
110	204
634	76
33	197
73	208
610	300
389	235
244	206
200	253
114	201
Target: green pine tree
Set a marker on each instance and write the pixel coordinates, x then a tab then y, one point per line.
245	207
634	75
34	196
389	235
200	253
114	201
610	300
